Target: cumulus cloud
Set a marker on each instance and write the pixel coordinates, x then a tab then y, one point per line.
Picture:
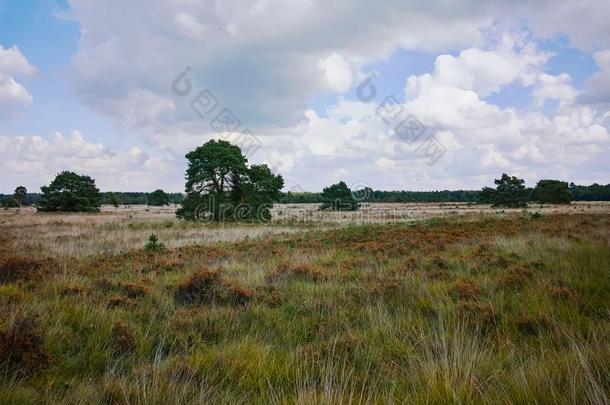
481	139
597	87
33	160
12	93
266	59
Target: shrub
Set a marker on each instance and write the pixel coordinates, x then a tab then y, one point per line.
208	287
467	290
14	269
10	202
21	348
153	244
122	338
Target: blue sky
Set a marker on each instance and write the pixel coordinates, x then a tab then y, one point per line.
498	94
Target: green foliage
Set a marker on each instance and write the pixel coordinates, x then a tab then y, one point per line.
10	202
158	198
338	197
552	192
114	200
70	192
594	192
153	244
510	192
21	195
220	186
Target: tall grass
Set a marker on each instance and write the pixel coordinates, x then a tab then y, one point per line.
490	310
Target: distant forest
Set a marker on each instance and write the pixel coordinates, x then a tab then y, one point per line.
594	192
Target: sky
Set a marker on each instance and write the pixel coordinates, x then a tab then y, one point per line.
392	95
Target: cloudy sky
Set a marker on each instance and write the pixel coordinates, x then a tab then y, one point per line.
394	94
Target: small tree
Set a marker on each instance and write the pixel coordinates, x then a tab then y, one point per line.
510	192
70	192
21	195
338	197
552	192
114	200
158	198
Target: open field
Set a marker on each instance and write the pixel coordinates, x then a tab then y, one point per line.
429	304
123	229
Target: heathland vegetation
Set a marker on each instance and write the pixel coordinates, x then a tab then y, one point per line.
466	303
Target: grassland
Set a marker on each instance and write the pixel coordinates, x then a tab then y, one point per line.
481	307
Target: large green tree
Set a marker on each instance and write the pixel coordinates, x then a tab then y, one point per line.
70	192
510	192
220	185
338	197
552	192
158	198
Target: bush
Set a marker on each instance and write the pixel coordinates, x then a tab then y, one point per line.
21	348
208	287
10	202
153	244
15	268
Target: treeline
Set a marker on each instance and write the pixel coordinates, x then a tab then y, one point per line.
379	196
109	198
594	192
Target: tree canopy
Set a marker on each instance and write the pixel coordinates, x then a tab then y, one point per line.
338	197
21	195
158	198
552	192
220	185
70	192
510	192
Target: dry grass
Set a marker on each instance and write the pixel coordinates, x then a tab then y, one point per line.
124	229
465	309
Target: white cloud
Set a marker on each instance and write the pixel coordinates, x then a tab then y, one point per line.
33	160
557	87
597	87
481	139
266	59
338	73
12	93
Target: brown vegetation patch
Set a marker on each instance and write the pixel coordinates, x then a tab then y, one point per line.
515	277
466	290
208	287
565	294
134	290
530	324
72	291
16	268
117	301
479	314
123	340
21	347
